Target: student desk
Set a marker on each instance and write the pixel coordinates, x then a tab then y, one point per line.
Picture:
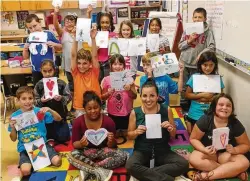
14	37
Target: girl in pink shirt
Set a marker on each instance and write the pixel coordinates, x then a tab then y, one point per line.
119	103
104	23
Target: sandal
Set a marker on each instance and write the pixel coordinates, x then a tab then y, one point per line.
190	173
198	177
243	176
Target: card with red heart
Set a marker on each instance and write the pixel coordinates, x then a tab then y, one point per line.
50	87
220	138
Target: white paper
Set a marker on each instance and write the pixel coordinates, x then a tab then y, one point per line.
38	154
96	137
153	124
153	42
84	3
197	27
123	44
57	3
207	83
137	46
50	87
102	39
164	64
83	29
220	138
119	79
40	37
25	119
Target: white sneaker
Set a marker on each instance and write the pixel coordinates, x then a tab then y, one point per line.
103	174
83	175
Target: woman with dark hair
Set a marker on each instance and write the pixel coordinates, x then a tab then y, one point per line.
217	164
89	157
167	164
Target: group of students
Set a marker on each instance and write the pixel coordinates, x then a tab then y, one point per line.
90	85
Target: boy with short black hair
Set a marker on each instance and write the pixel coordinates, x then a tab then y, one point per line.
25	96
192	46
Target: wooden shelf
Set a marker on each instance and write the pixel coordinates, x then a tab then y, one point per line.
139	7
137	19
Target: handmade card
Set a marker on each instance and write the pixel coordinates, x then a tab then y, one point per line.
153	42
119	79
50	87
123	44
113	46
137	46
39	37
207	83
83	27
25	119
220	138
57	3
102	39
165	64
197	27
96	137
153	124
84	3
38	154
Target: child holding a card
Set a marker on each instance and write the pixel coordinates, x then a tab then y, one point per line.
85	70
38	50
104	23
164	83
119	102
216	163
200	101
31	132
67	35
95	150
192	46
151	128
155	27
58	131
126	31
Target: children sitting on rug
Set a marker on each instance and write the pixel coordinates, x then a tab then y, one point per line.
94	143
25	97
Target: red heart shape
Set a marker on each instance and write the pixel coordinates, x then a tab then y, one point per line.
223	138
40	116
50	84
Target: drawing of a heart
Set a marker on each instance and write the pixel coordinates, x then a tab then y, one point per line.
223	138
96	137
50	84
51	93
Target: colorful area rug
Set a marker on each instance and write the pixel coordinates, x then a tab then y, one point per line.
69	173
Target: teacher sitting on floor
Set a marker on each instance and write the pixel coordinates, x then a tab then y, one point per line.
152	158
93	140
214	161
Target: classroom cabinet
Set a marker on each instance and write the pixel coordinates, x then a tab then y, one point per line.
36	5
70	4
13	5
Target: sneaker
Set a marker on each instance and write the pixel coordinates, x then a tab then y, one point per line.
83	175
103	174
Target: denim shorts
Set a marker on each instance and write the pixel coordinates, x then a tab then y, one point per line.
24	158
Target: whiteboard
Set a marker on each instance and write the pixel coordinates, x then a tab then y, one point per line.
234	39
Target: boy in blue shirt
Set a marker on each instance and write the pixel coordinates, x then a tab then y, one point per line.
164	83
37	52
25	96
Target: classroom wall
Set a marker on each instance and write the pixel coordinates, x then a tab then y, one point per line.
237	83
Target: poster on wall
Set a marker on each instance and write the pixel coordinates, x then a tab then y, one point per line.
215	10
114	14
21	17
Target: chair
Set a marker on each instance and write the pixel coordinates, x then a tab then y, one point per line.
9	101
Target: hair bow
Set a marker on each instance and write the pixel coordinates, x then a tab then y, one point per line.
72	14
